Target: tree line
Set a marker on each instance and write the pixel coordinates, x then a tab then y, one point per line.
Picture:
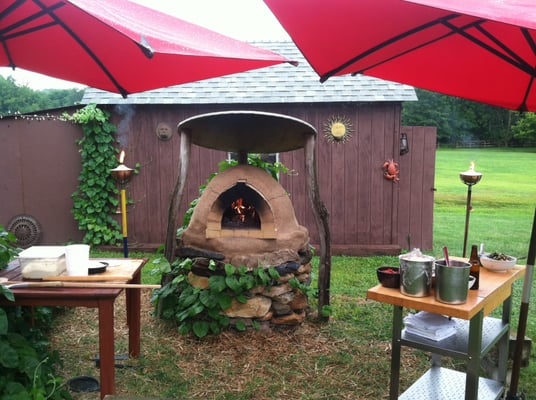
458	121
17	99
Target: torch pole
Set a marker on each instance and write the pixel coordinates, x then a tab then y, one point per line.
124	221
467	211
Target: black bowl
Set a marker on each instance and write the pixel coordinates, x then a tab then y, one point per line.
97	268
389	276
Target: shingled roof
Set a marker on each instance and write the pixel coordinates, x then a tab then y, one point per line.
282	83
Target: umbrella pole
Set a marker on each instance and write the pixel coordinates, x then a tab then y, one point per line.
523	314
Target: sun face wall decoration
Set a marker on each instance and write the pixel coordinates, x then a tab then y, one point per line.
337	129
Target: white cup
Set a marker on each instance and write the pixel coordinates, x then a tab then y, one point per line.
77	259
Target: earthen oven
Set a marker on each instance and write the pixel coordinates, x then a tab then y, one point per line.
245	217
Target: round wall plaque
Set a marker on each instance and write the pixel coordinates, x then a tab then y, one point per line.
338	129
163	131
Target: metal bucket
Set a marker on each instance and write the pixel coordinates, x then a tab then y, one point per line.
416	274
451	283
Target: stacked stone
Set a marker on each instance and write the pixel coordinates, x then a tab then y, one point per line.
278	303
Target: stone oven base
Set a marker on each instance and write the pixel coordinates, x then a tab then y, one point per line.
278	303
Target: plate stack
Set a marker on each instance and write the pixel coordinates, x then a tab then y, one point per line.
430	326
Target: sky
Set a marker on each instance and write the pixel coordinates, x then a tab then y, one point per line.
240	19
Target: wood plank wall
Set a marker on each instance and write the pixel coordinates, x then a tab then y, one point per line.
368	214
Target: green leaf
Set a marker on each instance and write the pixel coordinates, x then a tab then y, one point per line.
230	269
240	325
247	282
195	309
200	328
184	328
207	299
188	297
8	355
326	311
217	283
224	301
242	298
263	276
273	273
232	283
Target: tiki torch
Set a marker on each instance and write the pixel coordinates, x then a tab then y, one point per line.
122	175
470	178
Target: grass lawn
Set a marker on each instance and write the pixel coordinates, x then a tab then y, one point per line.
347	358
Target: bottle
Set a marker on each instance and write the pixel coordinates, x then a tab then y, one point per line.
474	260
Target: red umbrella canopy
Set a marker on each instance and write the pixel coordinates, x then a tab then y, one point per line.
117	45
482	50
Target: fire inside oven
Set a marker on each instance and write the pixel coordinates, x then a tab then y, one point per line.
241	205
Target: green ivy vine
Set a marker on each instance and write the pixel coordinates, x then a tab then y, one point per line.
95	199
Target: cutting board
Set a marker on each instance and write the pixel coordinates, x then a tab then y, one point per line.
118	270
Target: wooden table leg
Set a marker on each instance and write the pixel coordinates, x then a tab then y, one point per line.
106	347
133	299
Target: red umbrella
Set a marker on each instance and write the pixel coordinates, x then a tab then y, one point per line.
481	50
117	45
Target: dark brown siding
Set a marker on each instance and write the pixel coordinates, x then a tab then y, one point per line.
39	165
39	168
416	203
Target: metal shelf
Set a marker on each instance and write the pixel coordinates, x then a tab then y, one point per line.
446	384
493	329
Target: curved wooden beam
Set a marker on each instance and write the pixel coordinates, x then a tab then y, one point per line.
176	195
321	215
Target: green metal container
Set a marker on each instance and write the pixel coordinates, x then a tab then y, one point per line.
451	283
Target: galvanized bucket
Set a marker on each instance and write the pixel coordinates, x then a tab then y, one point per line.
416	274
451	283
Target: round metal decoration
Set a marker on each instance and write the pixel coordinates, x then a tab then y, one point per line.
338	129
26	229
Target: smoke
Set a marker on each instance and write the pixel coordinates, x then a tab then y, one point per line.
126	112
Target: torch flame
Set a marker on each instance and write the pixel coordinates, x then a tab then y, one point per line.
122	157
472	166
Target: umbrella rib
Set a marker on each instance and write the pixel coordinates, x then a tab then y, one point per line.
85	47
520	63
386	43
4	36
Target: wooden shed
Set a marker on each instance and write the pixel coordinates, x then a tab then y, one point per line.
368	213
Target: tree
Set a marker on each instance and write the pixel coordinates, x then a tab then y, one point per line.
525	128
459	120
17	99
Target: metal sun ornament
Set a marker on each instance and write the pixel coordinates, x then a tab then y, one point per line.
337	129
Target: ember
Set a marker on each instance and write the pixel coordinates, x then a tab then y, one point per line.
240	214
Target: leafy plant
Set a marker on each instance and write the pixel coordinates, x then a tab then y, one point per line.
7	247
27	369
200	310
95	199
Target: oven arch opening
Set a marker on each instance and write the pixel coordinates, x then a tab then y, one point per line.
241	211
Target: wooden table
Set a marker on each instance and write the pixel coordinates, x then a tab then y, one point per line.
101	298
495	290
